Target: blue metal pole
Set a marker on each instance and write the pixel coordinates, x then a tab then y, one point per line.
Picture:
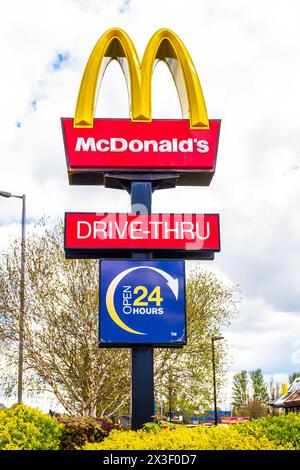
142	373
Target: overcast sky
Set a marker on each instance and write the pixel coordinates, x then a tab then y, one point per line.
247	55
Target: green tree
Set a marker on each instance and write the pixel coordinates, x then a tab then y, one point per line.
278	390
240	394
210	306
272	389
254	409
259	388
61	351
293	376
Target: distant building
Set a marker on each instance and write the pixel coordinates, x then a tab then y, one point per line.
290	401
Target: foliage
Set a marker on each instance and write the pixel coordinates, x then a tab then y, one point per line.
255	409
183	377
259	388
215	438
274	392
254	405
240	394
77	431
293	376
282	430
24	428
151	427
61	353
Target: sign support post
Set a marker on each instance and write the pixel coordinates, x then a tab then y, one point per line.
142	371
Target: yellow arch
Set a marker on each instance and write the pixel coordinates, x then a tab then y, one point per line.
115	44
164	45
167	47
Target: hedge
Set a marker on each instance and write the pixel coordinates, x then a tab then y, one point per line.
24	428
282	430
216	438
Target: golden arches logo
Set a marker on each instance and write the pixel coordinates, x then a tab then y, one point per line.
164	46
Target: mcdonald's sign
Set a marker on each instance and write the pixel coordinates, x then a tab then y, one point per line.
184	147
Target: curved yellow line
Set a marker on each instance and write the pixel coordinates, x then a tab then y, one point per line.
167	47
111	307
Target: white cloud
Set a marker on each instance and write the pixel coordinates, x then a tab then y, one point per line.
247	57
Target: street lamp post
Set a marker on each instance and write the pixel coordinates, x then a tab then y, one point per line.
213	339
170	401
22	295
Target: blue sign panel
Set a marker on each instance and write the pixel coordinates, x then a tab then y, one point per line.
142	302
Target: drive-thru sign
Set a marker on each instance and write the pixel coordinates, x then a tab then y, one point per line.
92	233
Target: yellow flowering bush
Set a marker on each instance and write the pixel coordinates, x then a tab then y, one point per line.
216	438
25	428
280	429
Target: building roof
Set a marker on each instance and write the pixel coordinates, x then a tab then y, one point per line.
292	398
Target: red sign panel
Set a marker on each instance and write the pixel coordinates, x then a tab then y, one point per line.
160	145
191	232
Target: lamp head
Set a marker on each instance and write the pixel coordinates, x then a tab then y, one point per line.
217	338
5	194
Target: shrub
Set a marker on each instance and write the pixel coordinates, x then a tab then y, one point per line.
25	428
279	429
217	438
77	431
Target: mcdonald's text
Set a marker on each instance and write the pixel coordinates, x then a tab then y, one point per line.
153	231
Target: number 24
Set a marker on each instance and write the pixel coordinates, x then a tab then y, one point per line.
154	296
